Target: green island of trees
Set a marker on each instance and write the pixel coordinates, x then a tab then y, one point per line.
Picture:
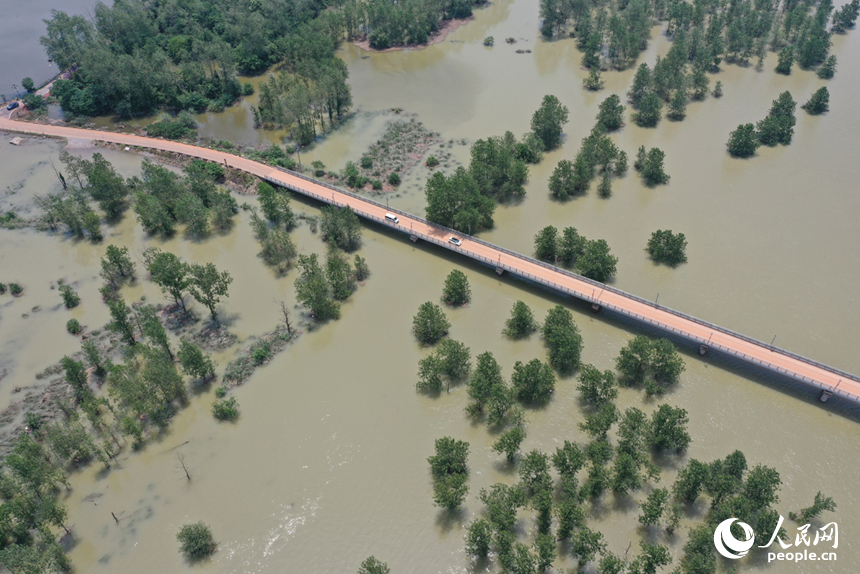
590	257
197	541
776	128
667	247
450	473
456	291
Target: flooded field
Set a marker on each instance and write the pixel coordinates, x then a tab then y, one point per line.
327	463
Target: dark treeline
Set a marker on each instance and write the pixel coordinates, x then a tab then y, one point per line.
387	23
135	57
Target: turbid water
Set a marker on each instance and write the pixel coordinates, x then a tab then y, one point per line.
21	54
327	463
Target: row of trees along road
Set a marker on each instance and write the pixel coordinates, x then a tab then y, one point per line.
133	57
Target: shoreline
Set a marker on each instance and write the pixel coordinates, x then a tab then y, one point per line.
436	37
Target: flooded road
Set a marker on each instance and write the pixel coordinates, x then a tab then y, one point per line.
327	463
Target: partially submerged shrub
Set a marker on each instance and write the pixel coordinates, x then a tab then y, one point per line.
74	327
197	541
226	409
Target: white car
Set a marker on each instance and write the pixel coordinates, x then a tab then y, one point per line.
455	241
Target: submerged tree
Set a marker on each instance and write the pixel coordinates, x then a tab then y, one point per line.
456	291
548	122
430	324
819	103
667	247
521	323
743	142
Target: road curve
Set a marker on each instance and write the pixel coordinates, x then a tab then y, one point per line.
710	336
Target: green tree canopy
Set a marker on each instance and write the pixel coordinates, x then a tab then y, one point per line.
548	122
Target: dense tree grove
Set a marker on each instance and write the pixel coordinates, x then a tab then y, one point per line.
389	24
597	155
590	257
456	291
819	103
521	323
466	199
450	473
667	247
562	339
430	324
135	57
656	364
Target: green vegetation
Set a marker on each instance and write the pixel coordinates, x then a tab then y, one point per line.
828	69
548	122
194	361
656	364
786	59
456	291
16	289
430	324
667	247
275	204
182	127
314	291
207	285
449	363
509	442
132	59
563	341
594	81
399	24
743	142
778	126
652	168
196	540
820	504
431	162
371	565
597	155
163	199
819	103
596	388
590	257
450	473
489	41
611	114
226	409
74	327
70	297
456	201
340	227
533	383
521	323
465	200
276	247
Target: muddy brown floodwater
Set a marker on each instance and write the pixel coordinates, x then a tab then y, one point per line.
327	463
